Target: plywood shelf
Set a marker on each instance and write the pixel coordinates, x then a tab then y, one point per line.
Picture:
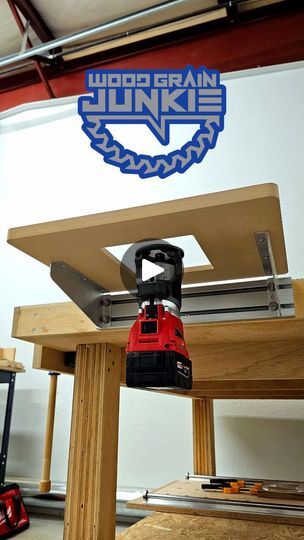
192	489
223	223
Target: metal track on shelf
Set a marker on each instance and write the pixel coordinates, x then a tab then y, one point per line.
197	503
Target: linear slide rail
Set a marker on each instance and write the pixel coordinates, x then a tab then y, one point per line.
179	501
204	477
200	303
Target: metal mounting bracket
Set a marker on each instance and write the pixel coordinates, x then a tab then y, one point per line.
263	243
90	297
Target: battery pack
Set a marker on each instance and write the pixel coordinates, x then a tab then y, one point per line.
158	369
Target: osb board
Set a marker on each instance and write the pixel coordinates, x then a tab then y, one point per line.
192	489
223	223
165	526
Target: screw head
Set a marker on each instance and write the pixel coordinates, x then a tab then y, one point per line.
273	306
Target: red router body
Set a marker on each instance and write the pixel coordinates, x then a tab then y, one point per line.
156	352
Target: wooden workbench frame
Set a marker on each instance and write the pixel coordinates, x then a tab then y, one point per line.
257	359
240	359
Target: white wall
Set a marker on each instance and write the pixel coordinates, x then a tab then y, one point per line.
48	171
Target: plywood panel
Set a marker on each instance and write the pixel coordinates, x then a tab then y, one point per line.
223	223
192	488
8	354
165	526
50	360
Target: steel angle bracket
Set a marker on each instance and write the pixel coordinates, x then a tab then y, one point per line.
264	247
90	297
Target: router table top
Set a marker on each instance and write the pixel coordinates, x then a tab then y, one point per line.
223	224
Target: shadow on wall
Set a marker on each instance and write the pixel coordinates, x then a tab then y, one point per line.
261	447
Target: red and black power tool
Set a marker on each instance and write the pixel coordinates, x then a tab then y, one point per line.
156	352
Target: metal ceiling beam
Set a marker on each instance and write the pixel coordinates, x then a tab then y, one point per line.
89	33
31	14
28	43
37	23
275	38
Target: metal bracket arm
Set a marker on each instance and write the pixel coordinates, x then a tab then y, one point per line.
263	243
90	297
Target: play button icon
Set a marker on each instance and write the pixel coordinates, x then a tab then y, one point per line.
150	270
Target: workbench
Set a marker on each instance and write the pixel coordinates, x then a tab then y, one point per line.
244	352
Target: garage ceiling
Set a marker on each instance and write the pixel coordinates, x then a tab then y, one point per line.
150	26
69	16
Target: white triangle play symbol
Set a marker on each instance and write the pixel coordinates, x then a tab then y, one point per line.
150	270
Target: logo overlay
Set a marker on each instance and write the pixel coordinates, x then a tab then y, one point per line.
156	98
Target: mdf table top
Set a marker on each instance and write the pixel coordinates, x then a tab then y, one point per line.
223	223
